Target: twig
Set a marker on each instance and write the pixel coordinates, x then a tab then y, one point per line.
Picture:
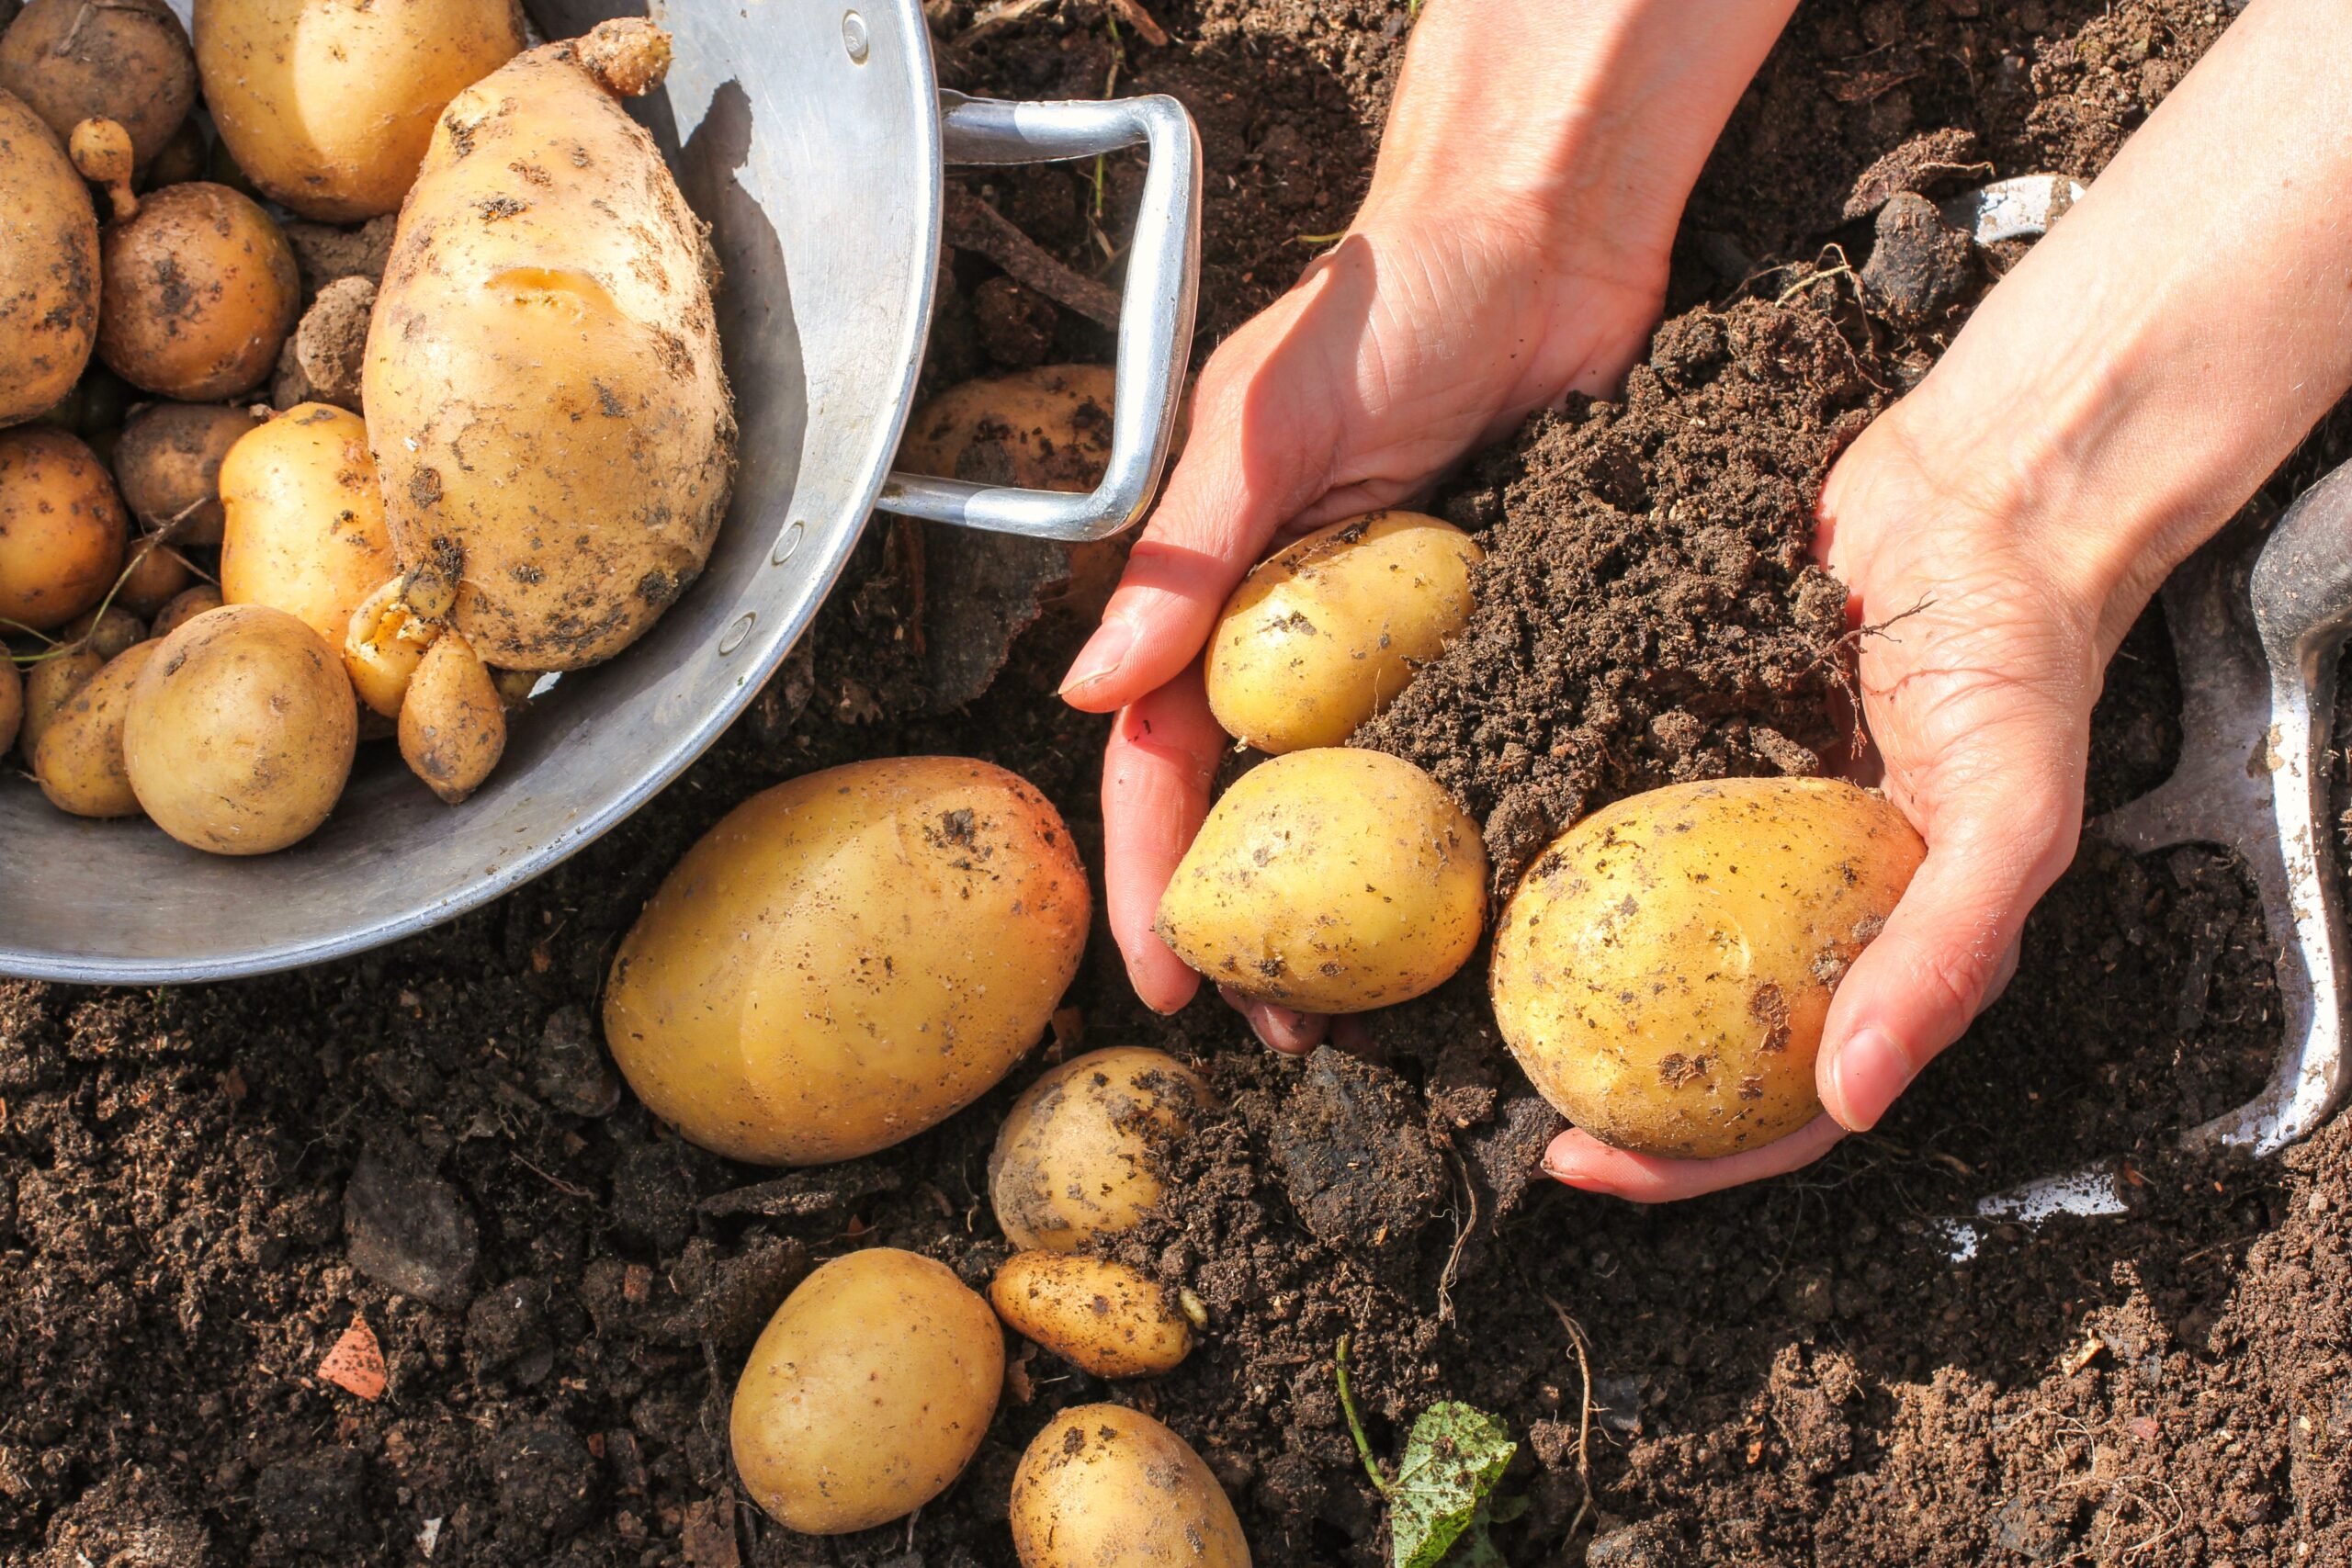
974	225
1139	19
1461	1238
1355	1425
1584	1420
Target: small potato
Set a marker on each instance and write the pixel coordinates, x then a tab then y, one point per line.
453	725
200	291
1080	1153
12	702
1663	972
127	60
1105	1486
1318	639
156	575
50	682
109	632
383	646
849	958
1332	880
182	159
79	763
241	731
185	607
305	521
168	464
1043	429
1099	1315
62	529
49	267
867	1393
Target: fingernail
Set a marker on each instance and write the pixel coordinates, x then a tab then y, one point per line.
1868	1073
1102	656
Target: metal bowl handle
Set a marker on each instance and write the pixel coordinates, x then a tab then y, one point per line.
1155	312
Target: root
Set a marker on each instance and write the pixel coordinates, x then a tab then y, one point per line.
1584	1417
974	225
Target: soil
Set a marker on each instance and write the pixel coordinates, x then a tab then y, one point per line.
203	1190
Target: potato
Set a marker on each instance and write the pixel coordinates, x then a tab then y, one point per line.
1318	637
79	762
241	731
12	702
50	681
383	645
1043	429
328	107
1081	1152
154	577
1105	1486
1663	971
199	292
169	467
185	607
62	529
304	530
1330	881
868	1392
1098	1314
49	267
849	958
543	381
109	632
183	157
127	60
453	725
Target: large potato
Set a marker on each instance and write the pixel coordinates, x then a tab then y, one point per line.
849	958
1097	1314
304	519
543	381
1082	1153
1104	1486
200	291
1663	972
1318	637
168	463
127	60
867	1393
61	528
241	731
327	104
79	761
1332	880
49	267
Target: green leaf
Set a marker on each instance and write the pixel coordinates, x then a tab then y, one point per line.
1455	1457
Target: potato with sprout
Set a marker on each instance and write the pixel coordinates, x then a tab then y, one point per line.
127	60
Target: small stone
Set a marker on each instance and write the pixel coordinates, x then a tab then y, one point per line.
708	1534
1920	266
312	1504
569	1069
546	1479
406	1228
1016	324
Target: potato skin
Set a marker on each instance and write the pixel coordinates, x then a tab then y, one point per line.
543	380
1105	1486
49	267
849	958
200	291
1332	880
127	60
79	763
304	530
453	727
388	68
1043	429
1663	971
184	606
168	464
1321	636
1098	1314
1079	1153
61	528
241	731
867	1393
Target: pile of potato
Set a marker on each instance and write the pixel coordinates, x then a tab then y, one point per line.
239	539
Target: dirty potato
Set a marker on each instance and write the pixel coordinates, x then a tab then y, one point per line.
868	1392
1098	1314
1082	1153
49	267
1318	637
12	702
1332	880
453	725
1043	429
383	646
50	682
109	632
127	60
79	762
184	606
543	381
61	528
241	731
155	576
1105	1486
387	68
304	521
168	464
1663	972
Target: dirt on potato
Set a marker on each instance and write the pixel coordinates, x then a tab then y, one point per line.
205	1190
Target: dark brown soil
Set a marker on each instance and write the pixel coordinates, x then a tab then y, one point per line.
201	1189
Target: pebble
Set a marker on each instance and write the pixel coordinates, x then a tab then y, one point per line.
407	1229
1920	266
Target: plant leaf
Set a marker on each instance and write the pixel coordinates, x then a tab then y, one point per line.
1455	1457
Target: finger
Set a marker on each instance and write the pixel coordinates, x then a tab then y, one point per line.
1292	1033
1157	767
1582	1161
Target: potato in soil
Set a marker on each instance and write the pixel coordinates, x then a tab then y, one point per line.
1105	1486
200	291
79	764
127	60
62	529
1318	637
1664	970
543	380
1330	880
304	530
1043	429
1082	1151
849	958
168	464
1100	1315
867	1393
49	267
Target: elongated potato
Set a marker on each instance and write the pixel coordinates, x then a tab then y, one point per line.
543	380
1663	972
50	682
1098	1314
1318	637
849	958
200	291
1104	1486
1082	1153
49	267
453	725
328	107
867	1393
304	519
79	764
168	464
1332	880
61	528
127	60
